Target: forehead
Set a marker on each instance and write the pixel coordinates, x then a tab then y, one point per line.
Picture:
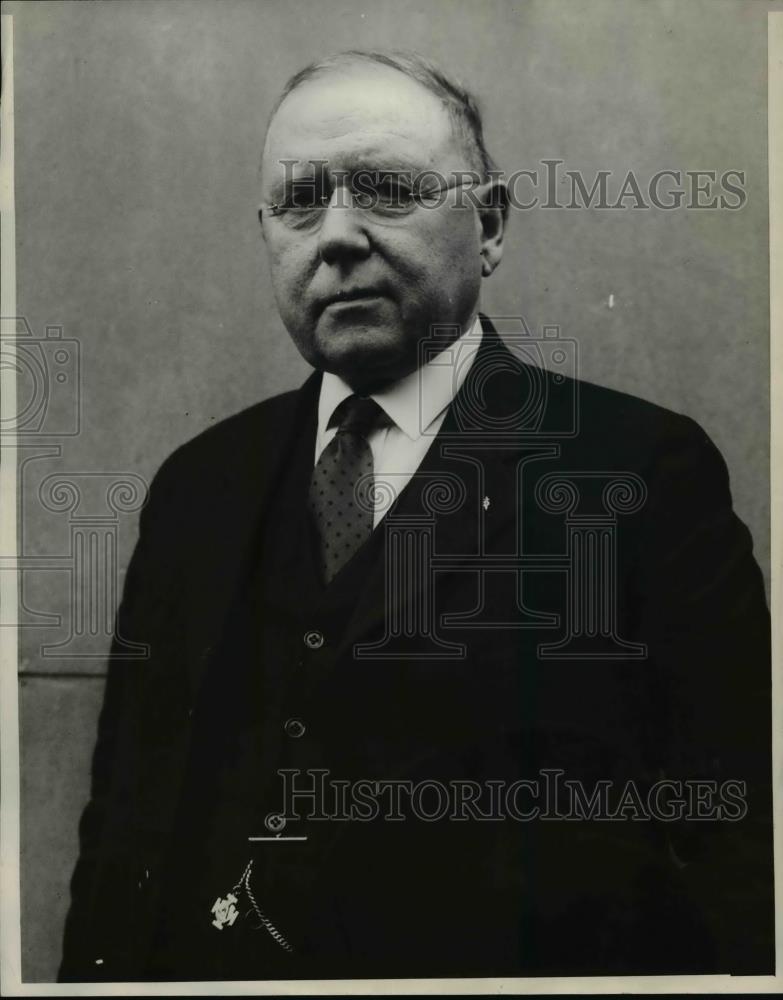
360	115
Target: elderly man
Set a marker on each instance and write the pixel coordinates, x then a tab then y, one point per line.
456	666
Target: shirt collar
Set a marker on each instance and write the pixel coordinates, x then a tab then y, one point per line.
417	400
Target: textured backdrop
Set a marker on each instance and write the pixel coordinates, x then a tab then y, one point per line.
138	125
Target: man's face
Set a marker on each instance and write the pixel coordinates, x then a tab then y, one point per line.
396	279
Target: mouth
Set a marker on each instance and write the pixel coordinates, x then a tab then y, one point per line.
352	296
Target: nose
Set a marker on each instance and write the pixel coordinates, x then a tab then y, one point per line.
342	236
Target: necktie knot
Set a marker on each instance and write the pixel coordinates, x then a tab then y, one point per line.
359	415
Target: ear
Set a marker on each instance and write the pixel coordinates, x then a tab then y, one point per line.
492	213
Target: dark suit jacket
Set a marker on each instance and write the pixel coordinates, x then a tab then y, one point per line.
679	690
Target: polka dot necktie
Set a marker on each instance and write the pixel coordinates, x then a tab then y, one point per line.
341	486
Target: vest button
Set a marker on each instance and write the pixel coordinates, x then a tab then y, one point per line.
314	639
275	822
294	728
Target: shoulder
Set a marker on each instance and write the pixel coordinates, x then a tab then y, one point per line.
591	428
531	386
631	421
222	450
672	452
224	439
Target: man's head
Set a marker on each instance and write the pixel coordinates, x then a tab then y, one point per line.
359	288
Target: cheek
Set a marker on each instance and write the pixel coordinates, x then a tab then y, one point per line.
449	244
289	271
463	253
462	242
446	269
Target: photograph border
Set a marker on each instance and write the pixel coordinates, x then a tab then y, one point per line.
10	934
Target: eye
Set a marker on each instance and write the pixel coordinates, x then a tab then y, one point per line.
394	192
303	196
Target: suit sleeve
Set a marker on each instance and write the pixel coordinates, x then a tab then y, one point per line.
93	939
705	619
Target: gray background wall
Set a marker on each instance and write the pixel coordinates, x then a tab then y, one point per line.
137	134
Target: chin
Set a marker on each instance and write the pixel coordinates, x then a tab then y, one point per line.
364	353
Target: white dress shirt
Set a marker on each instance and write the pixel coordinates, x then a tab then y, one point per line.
416	406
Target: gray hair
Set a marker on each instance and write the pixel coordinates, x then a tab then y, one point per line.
459	102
